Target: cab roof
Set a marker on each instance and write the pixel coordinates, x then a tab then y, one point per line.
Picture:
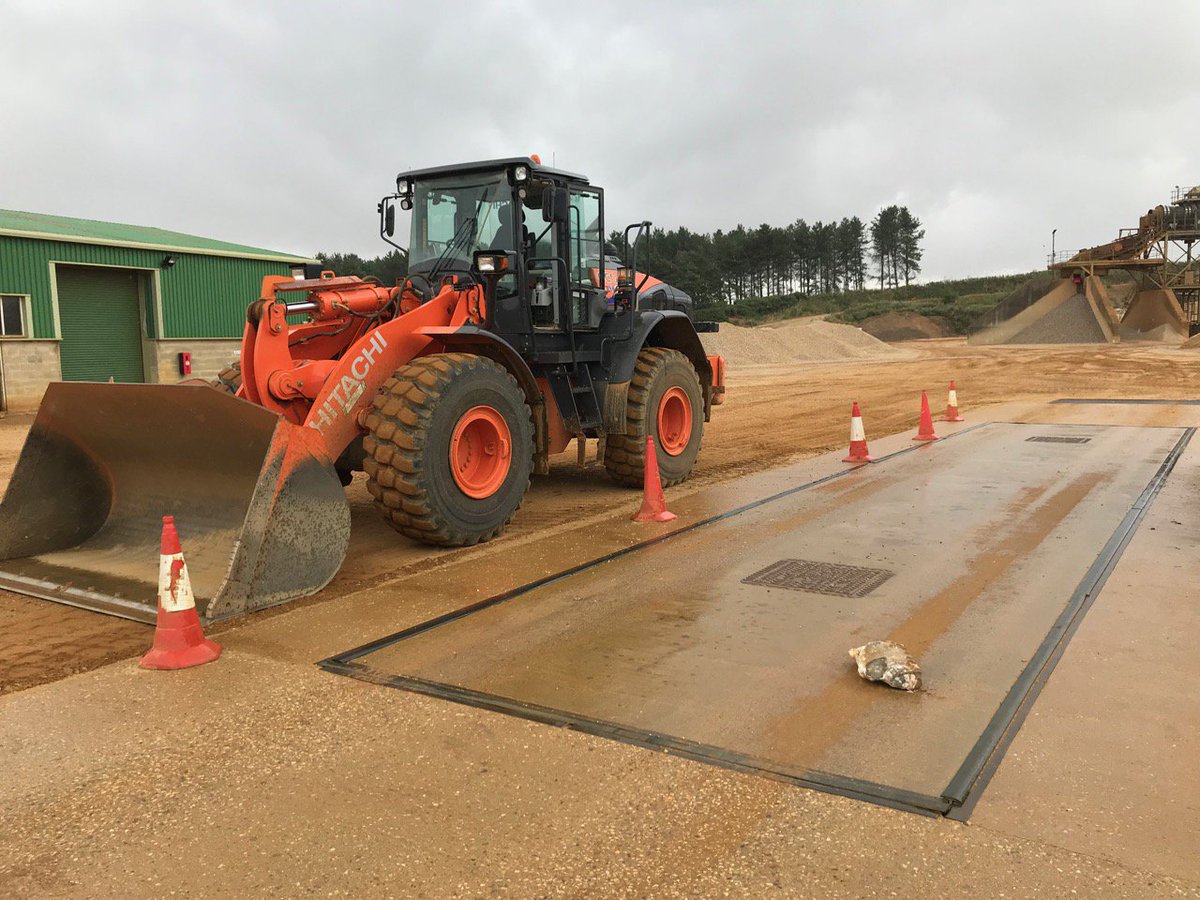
488	165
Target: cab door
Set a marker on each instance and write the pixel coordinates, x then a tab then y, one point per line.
586	257
544	243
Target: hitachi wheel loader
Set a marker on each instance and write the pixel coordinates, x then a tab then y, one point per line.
513	333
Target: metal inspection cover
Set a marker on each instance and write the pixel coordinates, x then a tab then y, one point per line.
1057	439
995	554
820	577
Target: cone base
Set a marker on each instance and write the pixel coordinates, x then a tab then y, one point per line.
859	459
664	516
927	437
196	655
953	419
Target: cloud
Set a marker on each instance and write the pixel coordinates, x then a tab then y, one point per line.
281	123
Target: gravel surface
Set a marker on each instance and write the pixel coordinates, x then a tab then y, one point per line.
1071	322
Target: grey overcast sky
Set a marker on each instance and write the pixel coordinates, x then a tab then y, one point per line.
280	124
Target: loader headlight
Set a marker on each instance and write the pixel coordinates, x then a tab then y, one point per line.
403	187
488	262
520	173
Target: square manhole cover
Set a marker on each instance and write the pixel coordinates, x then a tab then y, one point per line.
820	577
1057	439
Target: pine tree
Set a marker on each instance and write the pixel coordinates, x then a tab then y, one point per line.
909	251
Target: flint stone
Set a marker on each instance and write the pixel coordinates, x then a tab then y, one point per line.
888	662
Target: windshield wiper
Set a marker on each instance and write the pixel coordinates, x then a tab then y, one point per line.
450	247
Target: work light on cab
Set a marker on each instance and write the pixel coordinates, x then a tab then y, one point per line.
490	263
404	189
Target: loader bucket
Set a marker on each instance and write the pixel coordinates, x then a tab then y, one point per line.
260	511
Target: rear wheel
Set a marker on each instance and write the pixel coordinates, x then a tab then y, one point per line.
449	449
665	402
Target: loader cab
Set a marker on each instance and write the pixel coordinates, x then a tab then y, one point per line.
563	228
549	223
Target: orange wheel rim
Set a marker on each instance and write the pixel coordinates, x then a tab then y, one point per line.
674	421
480	452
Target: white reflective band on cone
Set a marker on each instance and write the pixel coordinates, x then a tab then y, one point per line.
181	597
856	429
954	398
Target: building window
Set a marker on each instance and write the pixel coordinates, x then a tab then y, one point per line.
12	315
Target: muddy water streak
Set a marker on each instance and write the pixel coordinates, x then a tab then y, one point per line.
816	724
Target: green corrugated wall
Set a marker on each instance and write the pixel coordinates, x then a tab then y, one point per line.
202	296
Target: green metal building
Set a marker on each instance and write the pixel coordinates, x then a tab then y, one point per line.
87	301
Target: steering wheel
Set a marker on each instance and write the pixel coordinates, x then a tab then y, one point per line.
424	294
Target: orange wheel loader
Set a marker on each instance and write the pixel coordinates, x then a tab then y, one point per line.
514	332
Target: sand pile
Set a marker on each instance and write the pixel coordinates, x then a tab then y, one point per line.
1164	334
799	340
1154	315
1192	343
906	326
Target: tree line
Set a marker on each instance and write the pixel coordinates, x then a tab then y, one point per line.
389	268
727	267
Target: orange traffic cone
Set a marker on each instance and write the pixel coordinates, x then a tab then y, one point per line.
952	406
654	505
179	641
925	431
858	438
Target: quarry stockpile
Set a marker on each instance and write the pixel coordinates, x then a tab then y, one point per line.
800	340
1021	298
1068	313
1154	316
905	325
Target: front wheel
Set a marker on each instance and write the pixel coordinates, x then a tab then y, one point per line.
665	402
449	449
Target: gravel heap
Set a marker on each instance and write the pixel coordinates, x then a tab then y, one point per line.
798	340
1071	322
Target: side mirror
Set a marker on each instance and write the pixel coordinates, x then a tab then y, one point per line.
556	205
389	219
562	207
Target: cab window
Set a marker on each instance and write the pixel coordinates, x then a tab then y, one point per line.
586	239
542	245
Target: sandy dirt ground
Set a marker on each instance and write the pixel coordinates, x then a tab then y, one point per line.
774	414
264	775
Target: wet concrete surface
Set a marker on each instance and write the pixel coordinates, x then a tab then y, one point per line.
262	774
987	537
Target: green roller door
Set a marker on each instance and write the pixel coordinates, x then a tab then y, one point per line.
98	310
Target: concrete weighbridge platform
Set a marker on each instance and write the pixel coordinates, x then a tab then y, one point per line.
726	641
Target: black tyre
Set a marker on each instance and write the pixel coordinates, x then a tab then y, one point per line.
665	402
449	449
